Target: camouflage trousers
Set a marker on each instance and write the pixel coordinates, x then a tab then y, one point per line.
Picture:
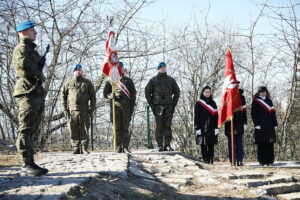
163	118
31	109
78	125
123	118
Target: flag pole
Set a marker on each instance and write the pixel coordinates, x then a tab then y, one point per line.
232	144
114	115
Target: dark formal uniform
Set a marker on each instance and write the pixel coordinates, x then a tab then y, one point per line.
29	94
206	120
264	116
124	107
239	123
78	100
162	94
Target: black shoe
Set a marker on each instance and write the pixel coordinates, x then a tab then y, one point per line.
45	171
126	150
211	161
29	170
120	150
240	163
168	148
160	149
76	151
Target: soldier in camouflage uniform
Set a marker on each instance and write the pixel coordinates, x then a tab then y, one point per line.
29	94
162	94
78	100
124	106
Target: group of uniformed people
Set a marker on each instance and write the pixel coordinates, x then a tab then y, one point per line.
264	119
79	101
162	93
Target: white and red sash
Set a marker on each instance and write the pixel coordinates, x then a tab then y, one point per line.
265	105
207	106
124	89
244	107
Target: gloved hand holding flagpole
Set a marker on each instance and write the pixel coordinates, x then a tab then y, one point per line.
111	69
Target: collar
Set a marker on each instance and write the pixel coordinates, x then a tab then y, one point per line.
27	42
77	78
162	74
263	98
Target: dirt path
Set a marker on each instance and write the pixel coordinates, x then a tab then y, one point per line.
149	175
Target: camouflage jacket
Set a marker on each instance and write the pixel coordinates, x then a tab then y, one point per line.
26	62
162	90
121	98
76	94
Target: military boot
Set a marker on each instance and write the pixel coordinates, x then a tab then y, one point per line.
120	150
76	150
45	171
28	169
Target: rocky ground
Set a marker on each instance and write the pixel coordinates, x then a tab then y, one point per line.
148	175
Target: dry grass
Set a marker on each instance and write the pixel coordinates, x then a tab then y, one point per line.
9	159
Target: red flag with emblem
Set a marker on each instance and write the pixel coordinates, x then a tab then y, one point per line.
231	100
111	55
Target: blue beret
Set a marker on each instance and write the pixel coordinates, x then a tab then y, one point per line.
121	64
76	67
25	25
161	64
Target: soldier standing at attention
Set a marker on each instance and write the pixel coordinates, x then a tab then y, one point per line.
29	94
162	94
125	96
78	100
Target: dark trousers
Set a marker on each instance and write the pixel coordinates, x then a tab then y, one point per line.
265	153
207	151
238	148
163	118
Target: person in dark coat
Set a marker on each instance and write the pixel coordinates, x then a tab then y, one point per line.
240	126
206	124
265	122
124	108
162	94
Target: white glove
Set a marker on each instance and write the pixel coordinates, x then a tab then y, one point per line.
216	131
275	127
257	127
198	132
245	127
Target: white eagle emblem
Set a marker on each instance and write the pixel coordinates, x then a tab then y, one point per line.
228	83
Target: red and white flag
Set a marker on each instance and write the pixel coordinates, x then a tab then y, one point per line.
124	89
111	67
111	58
231	100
